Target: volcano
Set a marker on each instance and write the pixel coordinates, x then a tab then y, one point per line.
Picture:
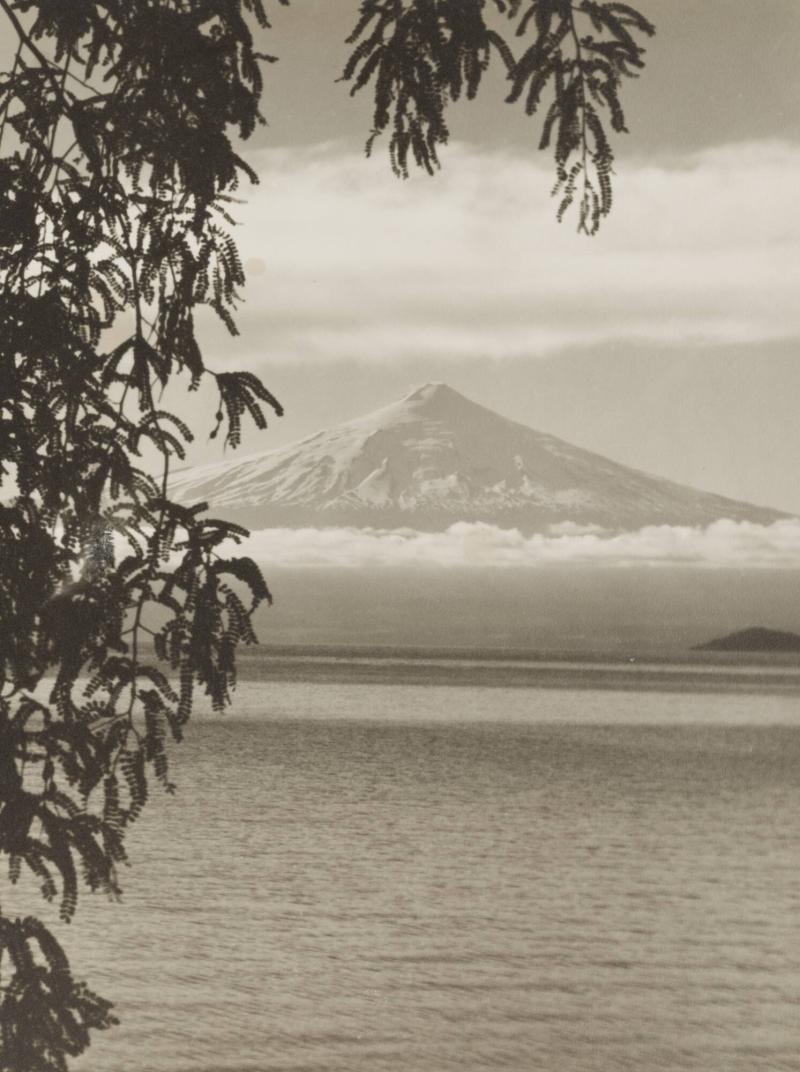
434	458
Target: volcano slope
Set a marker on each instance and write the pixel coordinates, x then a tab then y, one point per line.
434	458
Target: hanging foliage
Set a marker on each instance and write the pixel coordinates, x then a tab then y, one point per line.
117	167
115	604
419	56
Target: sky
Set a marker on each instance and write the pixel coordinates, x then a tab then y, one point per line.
718	71
668	342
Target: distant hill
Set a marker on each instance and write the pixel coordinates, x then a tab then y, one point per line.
755	639
434	458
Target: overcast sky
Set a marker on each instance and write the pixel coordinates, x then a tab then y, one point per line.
669	341
718	71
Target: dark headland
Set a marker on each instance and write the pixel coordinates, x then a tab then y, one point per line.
755	639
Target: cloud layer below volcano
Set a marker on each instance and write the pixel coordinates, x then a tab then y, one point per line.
722	544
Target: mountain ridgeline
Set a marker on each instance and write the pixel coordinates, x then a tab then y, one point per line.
435	458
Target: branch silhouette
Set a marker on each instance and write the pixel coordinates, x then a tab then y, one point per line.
117	603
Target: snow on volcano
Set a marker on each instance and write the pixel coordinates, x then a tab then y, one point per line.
435	458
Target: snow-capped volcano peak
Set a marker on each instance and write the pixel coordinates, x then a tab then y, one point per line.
431	401
435	457
427	391
435	392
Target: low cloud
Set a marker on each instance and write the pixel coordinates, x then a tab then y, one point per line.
346	262
722	544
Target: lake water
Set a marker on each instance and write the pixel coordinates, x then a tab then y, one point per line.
359	877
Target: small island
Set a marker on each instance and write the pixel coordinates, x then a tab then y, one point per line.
756	639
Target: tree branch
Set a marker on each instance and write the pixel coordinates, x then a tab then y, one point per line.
25	38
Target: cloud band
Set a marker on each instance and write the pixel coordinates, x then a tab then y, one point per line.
723	544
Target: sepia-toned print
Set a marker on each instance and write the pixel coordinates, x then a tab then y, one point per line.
399	535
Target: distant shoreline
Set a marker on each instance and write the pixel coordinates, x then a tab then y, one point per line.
688	657
682	672
500	669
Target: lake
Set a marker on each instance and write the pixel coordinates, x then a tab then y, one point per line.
366	876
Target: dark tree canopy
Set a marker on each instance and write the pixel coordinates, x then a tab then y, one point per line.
118	168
